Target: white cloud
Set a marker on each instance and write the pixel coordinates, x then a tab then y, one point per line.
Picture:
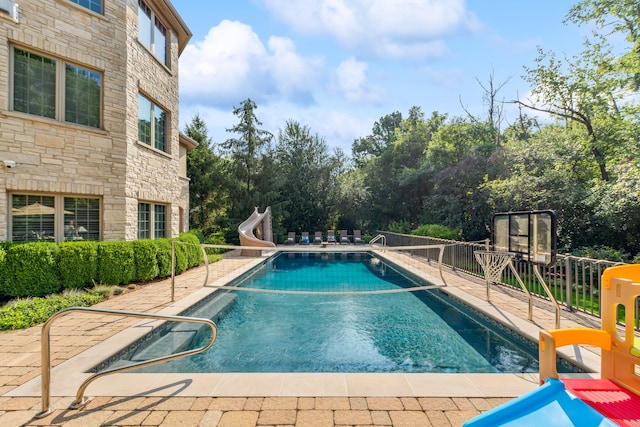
351	80
400	28
231	64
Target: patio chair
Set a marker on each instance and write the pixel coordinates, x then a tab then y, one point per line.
344	238
291	238
357	238
331	237
304	239
317	239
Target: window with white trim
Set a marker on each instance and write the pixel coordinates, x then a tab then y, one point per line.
151	32
152	124
152	221
55	89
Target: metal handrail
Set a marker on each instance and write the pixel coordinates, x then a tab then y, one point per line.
380	237
173	265
80	399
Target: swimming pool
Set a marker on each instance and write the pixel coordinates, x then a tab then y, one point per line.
409	332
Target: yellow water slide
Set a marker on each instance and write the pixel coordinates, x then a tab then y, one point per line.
261	224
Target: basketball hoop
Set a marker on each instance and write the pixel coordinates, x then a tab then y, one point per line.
493	263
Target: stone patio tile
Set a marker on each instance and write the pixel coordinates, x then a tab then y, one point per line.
409	419
19	403
183	419
457	418
411	404
306	403
463	404
228	403
210	419
201	404
358	403
332	403
277	416
85	418
385	403
438	418
238	419
254	404
175	404
352	417
155	418
380	418
280	403
484	404
129	418
437	404
314	418
15	418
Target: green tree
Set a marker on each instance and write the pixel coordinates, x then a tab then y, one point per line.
208	186
306	181
252	142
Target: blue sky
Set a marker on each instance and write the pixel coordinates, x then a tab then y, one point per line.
337	66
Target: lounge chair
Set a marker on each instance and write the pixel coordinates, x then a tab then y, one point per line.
344	238
304	239
331	237
317	238
291	238
357	238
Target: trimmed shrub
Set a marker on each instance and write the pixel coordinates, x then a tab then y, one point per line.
78	264
116	263
437	231
145	254
193	250
163	256
182	259
31	269
3	268
198	234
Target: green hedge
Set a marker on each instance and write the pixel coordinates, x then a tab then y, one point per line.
32	270
116	263
163	256
41	268
3	268
146	260
78	264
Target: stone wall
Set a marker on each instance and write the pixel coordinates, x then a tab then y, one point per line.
54	157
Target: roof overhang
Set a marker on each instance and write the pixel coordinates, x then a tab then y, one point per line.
171	16
187	141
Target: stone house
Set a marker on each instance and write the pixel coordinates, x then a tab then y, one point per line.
89	142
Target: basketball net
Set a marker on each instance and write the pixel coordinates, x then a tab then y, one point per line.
493	263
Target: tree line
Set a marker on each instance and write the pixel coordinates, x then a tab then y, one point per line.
416	169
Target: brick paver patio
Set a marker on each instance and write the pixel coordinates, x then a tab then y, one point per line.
71	335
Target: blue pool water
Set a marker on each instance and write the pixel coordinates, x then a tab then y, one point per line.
424	331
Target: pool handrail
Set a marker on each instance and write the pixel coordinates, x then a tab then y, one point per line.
379	237
81	401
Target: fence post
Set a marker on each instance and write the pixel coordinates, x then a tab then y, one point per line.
568	281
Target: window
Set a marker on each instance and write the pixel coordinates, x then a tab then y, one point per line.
152	221
54	218
93	5
151	32
149	113
50	88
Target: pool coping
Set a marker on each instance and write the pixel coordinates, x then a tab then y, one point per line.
67	377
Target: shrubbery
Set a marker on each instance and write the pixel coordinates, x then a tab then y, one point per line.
32	270
78	264
37	269
437	231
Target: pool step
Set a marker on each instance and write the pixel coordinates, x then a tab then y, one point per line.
183	335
